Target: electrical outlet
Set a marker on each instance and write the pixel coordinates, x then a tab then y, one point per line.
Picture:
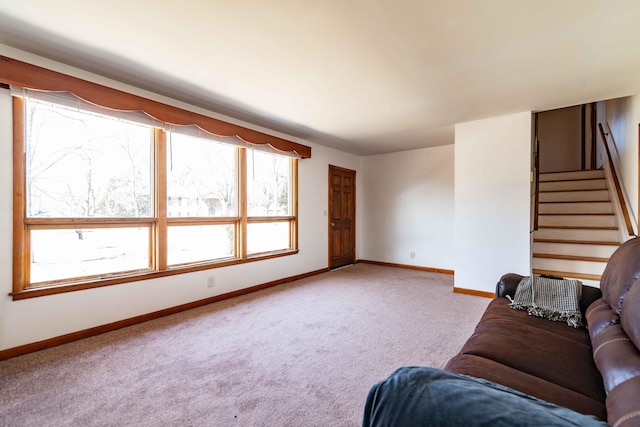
412	255
211	281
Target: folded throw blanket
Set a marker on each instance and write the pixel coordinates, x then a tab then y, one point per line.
555	299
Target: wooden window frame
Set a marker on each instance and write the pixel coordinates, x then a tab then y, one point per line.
158	223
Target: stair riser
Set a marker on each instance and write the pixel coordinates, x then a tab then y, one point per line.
599	251
565	176
585	267
576	208
575	196
593	283
590	184
577	220
578	234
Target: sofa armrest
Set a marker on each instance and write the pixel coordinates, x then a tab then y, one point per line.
507	285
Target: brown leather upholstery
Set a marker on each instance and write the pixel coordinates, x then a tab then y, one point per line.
622	270
545	359
622	404
616	357
507	285
499	309
476	366
630	318
594	371
614	323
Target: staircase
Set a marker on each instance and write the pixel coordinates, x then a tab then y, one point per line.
577	226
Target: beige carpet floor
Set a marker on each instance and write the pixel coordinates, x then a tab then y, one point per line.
300	354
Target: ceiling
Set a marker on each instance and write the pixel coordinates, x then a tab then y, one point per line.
363	76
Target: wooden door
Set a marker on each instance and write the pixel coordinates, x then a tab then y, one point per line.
342	216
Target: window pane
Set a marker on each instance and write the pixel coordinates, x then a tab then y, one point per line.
81	164
200	243
266	237
65	254
201	178
268	184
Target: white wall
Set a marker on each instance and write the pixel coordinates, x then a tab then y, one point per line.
409	203
623	115
36	319
492	204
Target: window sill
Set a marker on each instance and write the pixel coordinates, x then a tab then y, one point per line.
72	286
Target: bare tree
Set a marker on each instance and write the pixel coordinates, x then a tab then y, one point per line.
270	182
139	194
84	204
38	165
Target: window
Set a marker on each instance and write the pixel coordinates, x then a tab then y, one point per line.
203	176
104	199
85	174
268	200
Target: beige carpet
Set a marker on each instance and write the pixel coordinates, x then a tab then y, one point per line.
301	354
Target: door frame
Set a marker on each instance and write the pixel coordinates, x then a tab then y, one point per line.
329	212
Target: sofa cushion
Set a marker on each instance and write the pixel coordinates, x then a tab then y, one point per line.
630	318
491	370
498	308
622	270
538	352
431	397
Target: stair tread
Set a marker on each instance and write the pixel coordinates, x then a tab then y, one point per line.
574	227
579	242
579	213
550	191
570	257
573	179
575	201
568	198
574	171
596	277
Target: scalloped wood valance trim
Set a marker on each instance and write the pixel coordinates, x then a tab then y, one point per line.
30	76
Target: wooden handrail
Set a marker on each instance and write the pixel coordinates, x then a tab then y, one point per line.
616	181
537	184
594	135
536	167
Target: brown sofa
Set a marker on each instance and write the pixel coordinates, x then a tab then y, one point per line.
594	370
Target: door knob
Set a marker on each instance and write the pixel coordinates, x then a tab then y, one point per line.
333	224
